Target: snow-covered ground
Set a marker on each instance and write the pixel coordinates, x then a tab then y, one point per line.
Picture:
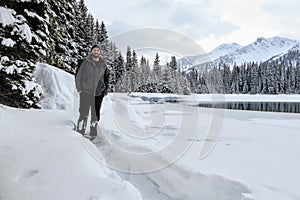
152	149
255	154
43	158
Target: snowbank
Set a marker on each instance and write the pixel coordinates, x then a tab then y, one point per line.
58	87
6	17
42	158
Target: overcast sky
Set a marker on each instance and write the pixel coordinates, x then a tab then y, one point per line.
207	22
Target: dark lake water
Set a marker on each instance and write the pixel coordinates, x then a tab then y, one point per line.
290	107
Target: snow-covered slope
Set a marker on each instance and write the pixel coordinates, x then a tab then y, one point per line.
43	158
286	54
260	50
221	50
58	87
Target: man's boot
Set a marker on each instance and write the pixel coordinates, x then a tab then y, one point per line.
81	126
93	130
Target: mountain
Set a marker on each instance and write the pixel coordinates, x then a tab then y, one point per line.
221	50
260	50
296	48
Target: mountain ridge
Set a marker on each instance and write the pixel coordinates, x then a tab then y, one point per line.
262	49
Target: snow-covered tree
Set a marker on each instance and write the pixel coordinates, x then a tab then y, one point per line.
253	79
156	72
103	33
166	80
22	36
173	63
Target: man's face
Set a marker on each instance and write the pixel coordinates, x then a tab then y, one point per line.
96	52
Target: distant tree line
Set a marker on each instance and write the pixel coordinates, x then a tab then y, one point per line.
275	76
137	76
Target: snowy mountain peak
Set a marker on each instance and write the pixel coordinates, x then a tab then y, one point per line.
260	50
227	47
224	49
274	41
219	51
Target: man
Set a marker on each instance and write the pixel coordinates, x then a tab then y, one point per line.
92	85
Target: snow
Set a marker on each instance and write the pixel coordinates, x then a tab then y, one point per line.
20	63
43	52
41	33
62	86
30	85
42	158
218	52
255	156
11	69
6	17
8	42
25	32
4	59
33	15
260	50
149	150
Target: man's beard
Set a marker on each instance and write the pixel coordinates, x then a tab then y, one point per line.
96	55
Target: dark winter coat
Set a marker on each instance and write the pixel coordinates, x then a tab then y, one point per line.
92	77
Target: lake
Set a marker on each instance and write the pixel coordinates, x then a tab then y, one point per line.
290	107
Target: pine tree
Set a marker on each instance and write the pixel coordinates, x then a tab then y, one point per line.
297	89
204	80
107	47
142	74
282	78
166	80
270	79
245	88
226	78
103	33
173	63
193	79
253	78
80	19
128	59
156	73
21	47
134	76
259	88
234	86
119	67
242	77
128	70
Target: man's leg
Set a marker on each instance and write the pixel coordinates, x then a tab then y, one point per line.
98	103
95	115
84	108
